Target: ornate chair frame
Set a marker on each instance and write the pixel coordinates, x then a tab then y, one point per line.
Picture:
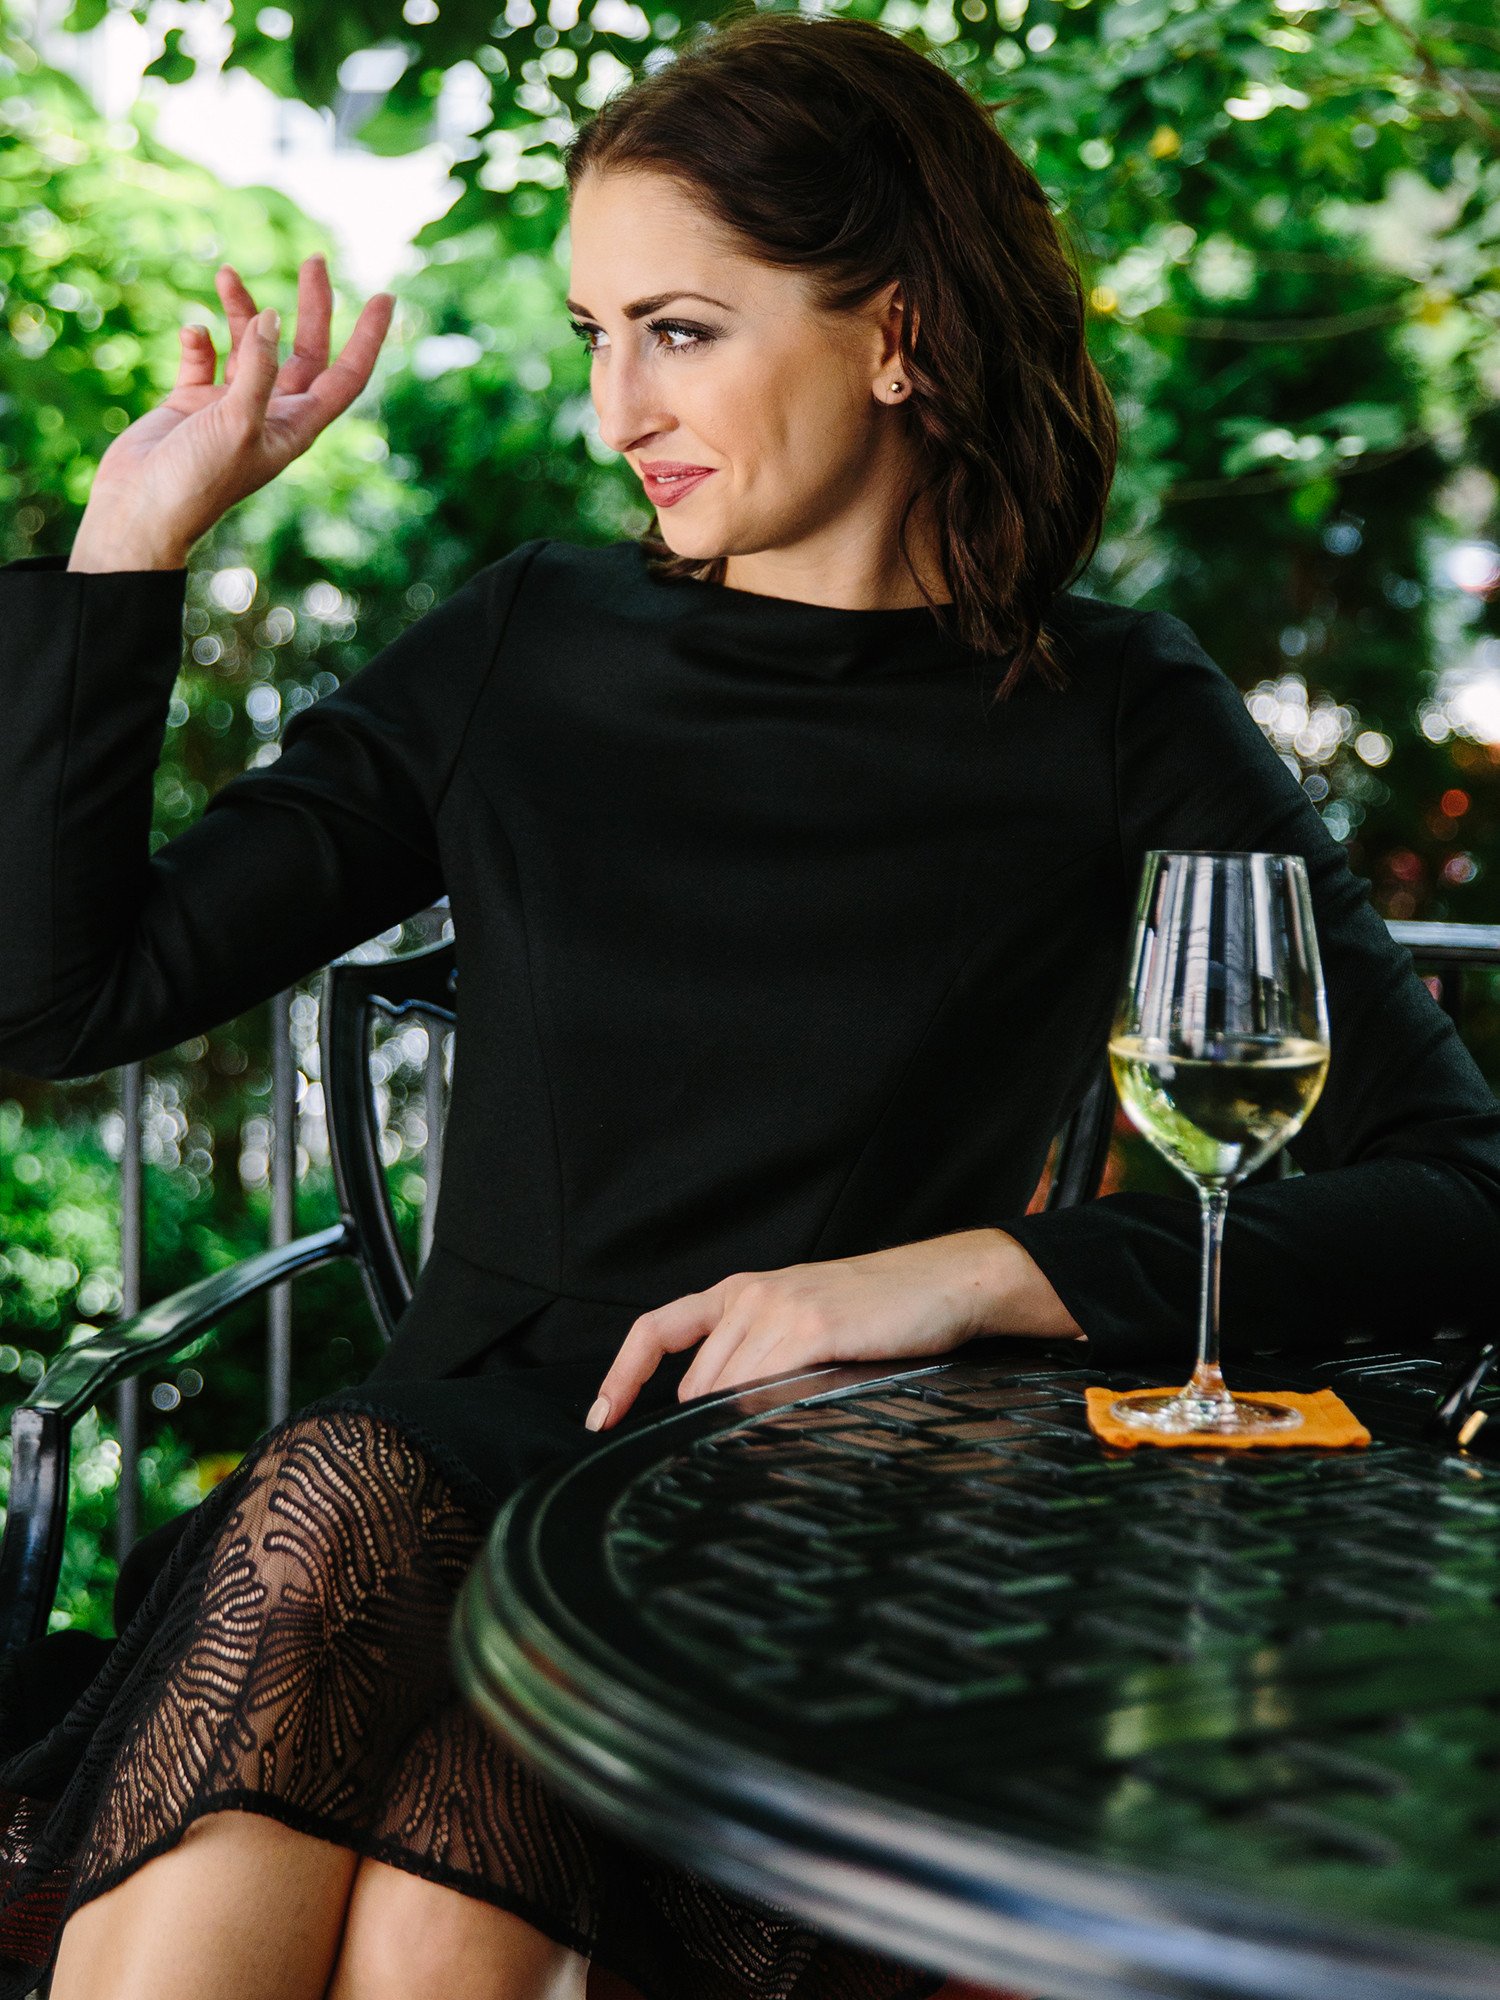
41	1425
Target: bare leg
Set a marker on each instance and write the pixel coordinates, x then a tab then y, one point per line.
193	1921
406	1935
243	1908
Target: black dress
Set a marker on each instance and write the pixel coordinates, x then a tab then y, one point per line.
777	942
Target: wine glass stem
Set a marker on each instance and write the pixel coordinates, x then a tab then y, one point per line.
1207	1379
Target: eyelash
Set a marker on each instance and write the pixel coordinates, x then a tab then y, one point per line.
697	335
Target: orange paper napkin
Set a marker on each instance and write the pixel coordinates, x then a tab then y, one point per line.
1327	1421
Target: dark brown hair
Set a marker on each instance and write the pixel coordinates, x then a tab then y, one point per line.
831	146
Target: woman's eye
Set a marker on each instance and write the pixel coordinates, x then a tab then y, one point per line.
691	336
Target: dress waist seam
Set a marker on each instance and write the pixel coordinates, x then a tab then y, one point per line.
531	1284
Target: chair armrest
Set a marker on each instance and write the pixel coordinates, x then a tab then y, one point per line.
82	1373
41	1426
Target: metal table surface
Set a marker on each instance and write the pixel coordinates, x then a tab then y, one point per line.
915	1658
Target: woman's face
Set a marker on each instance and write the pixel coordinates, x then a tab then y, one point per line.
787	408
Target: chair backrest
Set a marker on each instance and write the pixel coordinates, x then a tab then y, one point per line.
423	981
1446	951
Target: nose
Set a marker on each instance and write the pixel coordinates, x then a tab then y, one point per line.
627	401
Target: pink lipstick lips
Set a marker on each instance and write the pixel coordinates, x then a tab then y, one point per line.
666	482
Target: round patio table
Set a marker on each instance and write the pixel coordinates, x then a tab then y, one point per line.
912	1656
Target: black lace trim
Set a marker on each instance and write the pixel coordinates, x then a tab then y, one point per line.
290	1658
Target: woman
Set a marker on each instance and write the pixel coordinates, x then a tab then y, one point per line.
791	853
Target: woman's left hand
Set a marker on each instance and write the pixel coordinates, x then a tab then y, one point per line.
915	1300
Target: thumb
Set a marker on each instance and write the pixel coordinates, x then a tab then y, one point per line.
257	365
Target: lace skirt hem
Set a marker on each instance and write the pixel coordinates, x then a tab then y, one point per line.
368	1847
289	1657
542	1918
606	1953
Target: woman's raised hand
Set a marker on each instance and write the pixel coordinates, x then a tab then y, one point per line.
166	480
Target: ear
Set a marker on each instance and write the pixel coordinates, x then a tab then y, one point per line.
891	309
916	321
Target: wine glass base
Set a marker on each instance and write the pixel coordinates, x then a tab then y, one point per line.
1172	1412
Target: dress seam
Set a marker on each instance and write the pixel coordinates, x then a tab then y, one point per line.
542	1060
515	1278
919	1042
1127	653
484	681
477	1496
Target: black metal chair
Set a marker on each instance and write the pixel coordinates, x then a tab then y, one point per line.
425	981
41	1426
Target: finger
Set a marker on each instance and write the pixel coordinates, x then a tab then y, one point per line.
666	1330
336	388
713	1355
765	1355
197	360
251	388
239	310
309	355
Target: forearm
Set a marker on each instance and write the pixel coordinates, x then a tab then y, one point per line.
1393	1247
1007	1290
87	665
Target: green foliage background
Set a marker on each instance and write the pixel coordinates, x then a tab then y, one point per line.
1288	218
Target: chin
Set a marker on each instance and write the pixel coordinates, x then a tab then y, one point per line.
682	541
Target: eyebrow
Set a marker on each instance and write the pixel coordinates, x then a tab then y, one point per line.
643	306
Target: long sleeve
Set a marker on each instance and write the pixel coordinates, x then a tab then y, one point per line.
108	952
1393	1224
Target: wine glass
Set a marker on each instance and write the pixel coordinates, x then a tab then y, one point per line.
1219	1051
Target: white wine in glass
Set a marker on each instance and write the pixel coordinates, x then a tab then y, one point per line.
1219	1050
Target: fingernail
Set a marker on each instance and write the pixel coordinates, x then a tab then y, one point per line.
597	1414
270	325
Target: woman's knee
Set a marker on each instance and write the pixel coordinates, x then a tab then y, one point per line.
193	1919
344	1509
314	1643
405	1934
